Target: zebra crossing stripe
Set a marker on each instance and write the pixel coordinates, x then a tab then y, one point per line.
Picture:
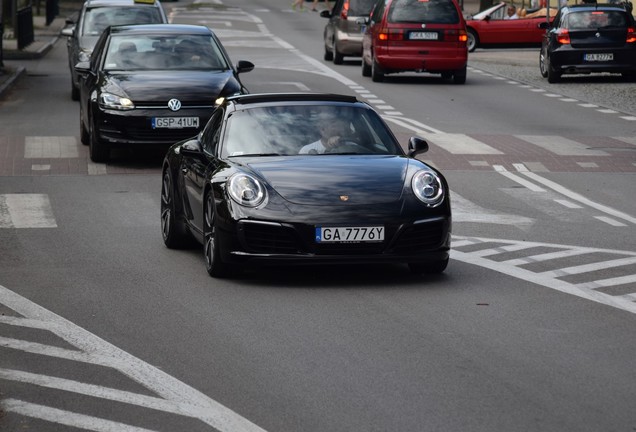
26	211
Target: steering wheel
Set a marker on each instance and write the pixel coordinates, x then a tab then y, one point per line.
347	146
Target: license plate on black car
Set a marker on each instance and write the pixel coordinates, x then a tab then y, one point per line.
599	57
175	122
349	234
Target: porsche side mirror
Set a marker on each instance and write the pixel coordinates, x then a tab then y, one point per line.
244	66
325	13
67	31
417	146
543	25
487	18
191	148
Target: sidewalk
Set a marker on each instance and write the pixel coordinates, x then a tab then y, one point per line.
44	38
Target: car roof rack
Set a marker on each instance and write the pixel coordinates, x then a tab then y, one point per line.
284	97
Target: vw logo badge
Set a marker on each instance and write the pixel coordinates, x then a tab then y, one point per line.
174	104
598	35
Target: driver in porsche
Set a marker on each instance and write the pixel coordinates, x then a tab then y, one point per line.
333	132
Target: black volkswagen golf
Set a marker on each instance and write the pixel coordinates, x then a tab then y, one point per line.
590	38
152	85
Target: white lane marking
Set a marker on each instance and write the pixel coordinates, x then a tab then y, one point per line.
580	290
561	145
584	268
101	352
629	118
628	140
548	256
50	147
502	170
67	418
604	283
610	221
568	204
96	391
26	211
580	198
461	144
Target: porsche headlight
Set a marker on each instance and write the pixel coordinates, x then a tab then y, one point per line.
112	101
428	188
246	190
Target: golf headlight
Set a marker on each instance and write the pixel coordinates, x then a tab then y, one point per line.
246	190
428	188
111	101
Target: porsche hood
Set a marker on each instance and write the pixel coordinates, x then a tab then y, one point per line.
335	179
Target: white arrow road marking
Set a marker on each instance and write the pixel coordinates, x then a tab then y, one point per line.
464	210
177	396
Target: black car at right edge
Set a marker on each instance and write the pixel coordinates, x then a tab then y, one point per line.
590	38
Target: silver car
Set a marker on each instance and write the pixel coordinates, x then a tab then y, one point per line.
94	17
343	32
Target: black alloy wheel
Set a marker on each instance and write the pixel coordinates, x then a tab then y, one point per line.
173	231
211	245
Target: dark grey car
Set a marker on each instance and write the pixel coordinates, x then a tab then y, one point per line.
343	32
94	17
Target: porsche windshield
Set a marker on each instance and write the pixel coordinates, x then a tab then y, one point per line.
307	129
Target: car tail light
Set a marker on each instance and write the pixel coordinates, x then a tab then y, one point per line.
345	10
390	34
455	35
563	36
631	35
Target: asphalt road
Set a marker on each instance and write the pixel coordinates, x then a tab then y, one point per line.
530	328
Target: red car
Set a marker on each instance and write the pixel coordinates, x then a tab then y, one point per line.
415	36
491	28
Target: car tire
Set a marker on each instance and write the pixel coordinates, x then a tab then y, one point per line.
435	267
99	151
473	40
328	54
553	76
459	77
84	136
338	57
377	74
211	245
74	92
173	231
543	67
366	68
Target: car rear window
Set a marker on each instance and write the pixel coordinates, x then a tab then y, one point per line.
97	19
360	7
427	11
597	19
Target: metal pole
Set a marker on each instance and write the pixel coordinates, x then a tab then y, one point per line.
1	36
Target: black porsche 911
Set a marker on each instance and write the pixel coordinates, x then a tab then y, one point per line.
152	84
300	178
